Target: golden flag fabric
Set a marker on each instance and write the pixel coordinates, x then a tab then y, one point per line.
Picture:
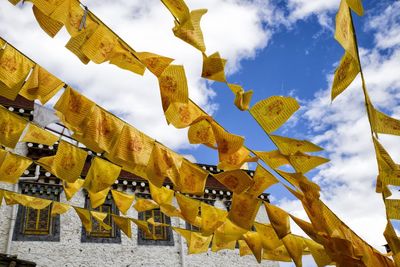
124	224
344	33
142	225
308	228
318	252
392	238
154	223
211	218
70	189
181	115
31	202
289	146
356	6
2	42
236	181
393	208
294	246
161	195
230	231
12	167
269	239
279	220
262	180
9	198
244	249
235	160
385	162
101	175
126	59
11	127
199	243
154	63
201	132
122	201
178	9
189	207
71	14
274	111
49	25
97	199
253	240
14	2
244	210
170	210
100	131
189	30
184	233
214	67
38	135
345	74
68	162
242	98
85	217
227	143
145	204
192	178
304	163
278	254
58	208
100	45
173	86
220	242
99	217
73	108
41	85
382	123
1	197
273	159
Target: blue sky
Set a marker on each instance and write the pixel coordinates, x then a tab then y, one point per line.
273	47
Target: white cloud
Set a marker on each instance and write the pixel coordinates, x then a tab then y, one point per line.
235	28
302	9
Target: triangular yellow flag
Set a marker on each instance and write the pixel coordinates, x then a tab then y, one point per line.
220	242
99	217
294	246
244	249
97	199
304	163
273	159
178	8
122	201
192	178
154	63
262	180
189	207
253	240
269	239
145	204
101	175
85	217
161	195
289	146
244	210
123	57
58	208
237	181
124	224
227	143
384	124
38	135
11	127
12	167
70	189
279	220
344	33
214	67
49	25
345	73
199	243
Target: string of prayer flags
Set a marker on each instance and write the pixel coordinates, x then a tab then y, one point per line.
178	8
274	111
253	240
124	224
14	68
48	25
262	180
58	208
38	135
288	146
101	175
214	67
356	6
345	74
85	217
11	128
344	33
243	210
41	85
192	179
12	166
122	201
173	86
236	181
99	217
145	204
279	220
68	162
97	199
154	63
242	98
189	30
71	189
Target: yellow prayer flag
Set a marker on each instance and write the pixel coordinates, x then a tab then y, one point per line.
392	238
230	231
58	208
262	180
2	43
38	135
31	202
173	86
178	8
253	241
98	199
124	224
14	2
49	25
11	127
385	162
279	220
294	246
192	178
154	63
161	195
201	132
227	143
73	108
101	175
189	207
242	98
85	217
274	111
382	123
308	228
1	197
99	217
220	242
71	14
318	252
393	208
154	223
244	210
211	218
289	146
269	239
345	73
145	204
304	163
278	254
70	189
356	6
214	67
41	85
170	210
122	201
237	180
244	249
144	226
184	233
100	45
126	59
181	115
235	160
199	243
344	33
12	167
189	30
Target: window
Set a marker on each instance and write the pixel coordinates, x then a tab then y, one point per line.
99	234
37	225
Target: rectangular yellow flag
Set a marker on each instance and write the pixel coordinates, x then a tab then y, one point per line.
199	243
101	175
214	67
11	127
122	201
173	86
126	59
154	63
269	239
262	180
49	25
100	45
192	178
181	115
211	218
244	210
189	207
344	33
12	167
201	132
161	195
237	181
38	135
